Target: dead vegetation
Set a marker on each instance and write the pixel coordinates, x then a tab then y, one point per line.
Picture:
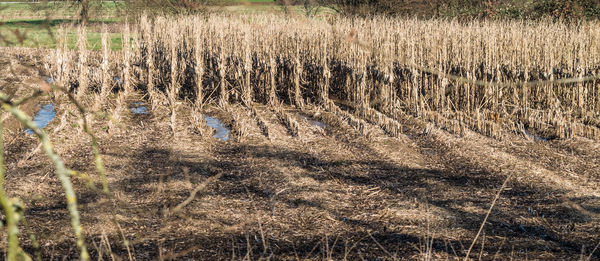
422	129
474	78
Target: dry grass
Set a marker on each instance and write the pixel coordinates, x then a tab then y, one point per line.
386	178
380	67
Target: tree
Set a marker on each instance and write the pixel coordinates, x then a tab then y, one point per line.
172	6
83	11
85	8
310	8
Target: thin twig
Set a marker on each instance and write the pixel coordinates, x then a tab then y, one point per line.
487	215
87	130
380	246
593	250
260	228
61	171
189	199
9	211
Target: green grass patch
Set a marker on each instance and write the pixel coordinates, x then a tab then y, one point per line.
43	33
10	11
42	39
39	23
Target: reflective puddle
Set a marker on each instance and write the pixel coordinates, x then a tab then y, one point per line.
221	132
49	79
313	122
536	137
138	108
43	117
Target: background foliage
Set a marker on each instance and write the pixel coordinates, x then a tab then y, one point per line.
467	9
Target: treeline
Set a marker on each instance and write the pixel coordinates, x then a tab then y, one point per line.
566	10
514	9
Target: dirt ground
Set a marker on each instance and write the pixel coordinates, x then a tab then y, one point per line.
325	193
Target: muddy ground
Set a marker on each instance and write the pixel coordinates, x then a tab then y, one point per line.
325	193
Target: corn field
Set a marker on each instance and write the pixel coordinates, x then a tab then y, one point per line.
487	76
501	79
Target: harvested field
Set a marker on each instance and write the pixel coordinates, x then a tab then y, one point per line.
334	152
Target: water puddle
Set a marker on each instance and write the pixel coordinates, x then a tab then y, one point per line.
118	80
221	132
43	117
313	122
535	137
138	108
49	79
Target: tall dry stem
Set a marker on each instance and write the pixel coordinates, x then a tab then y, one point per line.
105	67
82	62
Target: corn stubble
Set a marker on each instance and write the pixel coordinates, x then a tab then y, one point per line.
491	77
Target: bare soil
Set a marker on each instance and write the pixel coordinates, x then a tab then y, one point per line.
327	193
